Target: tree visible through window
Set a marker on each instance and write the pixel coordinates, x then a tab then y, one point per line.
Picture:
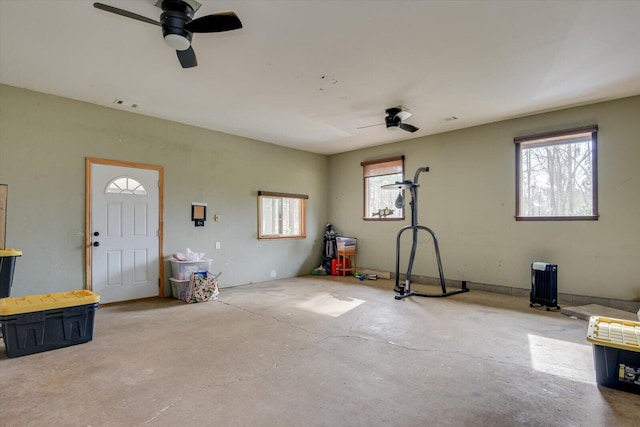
556	175
281	215
379	204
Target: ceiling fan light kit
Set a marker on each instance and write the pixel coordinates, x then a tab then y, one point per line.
178	25
403	115
177	41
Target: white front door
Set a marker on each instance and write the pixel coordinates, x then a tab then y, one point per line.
124	232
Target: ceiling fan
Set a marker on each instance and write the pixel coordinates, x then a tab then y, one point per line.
394	119
178	25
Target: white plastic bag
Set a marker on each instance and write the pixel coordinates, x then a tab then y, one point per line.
194	256
189	256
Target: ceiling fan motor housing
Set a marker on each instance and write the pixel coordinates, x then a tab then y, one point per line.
392	121
393	111
174	18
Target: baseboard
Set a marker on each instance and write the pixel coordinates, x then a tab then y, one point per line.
380	274
563	299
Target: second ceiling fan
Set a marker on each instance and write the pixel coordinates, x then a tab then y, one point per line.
178	25
395	119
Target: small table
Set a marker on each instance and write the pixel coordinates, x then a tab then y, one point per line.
345	255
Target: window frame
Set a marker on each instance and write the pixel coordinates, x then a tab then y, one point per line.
364	165
548	138
302	215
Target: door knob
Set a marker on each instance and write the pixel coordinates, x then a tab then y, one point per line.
95	233
96	243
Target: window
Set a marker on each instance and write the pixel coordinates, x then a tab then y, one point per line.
380	204
556	175
281	215
125	185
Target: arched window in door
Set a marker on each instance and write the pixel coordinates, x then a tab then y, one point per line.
126	185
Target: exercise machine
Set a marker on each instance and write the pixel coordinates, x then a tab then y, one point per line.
405	290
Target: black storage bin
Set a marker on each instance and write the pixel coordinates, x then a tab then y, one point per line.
7	265
616	352
67	319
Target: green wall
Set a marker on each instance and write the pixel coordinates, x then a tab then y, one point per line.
45	139
468	199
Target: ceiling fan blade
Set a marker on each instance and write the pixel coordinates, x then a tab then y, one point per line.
126	13
408	128
370	126
187	58
216	23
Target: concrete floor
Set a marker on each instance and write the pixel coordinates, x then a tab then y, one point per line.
318	352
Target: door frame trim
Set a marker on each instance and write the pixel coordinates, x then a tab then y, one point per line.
90	161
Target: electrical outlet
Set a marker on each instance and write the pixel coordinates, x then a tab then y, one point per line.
217	245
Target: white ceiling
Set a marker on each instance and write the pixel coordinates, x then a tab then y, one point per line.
307	74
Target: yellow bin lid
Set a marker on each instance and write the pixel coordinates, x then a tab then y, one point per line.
618	333
10	252
32	303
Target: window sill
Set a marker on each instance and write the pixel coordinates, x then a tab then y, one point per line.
281	237
558	218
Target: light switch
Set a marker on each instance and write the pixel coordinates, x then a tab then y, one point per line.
216	217
217	245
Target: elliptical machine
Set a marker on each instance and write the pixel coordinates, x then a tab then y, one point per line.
405	290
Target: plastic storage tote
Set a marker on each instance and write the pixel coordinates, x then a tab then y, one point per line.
182	270
37	323
179	288
7	264
616	352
